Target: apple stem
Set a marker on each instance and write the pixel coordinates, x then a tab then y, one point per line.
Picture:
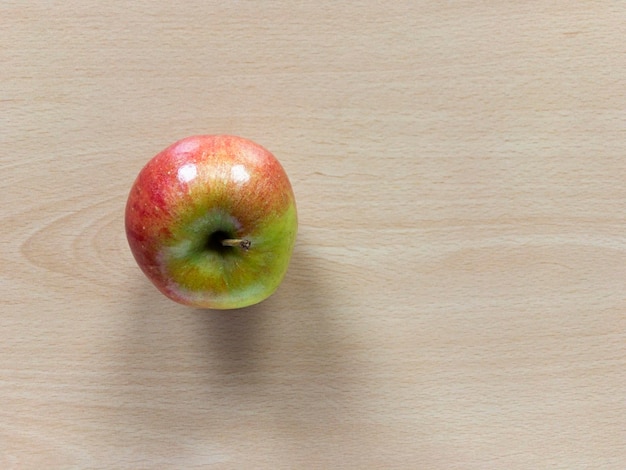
240	242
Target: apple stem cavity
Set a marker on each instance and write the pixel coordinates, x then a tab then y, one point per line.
237	242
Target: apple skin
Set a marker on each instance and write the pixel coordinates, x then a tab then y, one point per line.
198	191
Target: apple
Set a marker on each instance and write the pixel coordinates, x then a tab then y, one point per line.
211	221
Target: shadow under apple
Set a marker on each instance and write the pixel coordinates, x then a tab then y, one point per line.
279	368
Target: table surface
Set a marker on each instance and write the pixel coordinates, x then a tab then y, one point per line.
456	296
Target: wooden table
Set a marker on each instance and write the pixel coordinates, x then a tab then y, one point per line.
456	298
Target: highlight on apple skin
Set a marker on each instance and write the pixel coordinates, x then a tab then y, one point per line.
211	221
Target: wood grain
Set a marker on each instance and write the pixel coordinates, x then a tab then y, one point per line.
456	298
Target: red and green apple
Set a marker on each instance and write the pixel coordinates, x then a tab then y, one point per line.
211	221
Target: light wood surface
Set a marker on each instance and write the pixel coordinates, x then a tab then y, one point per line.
456	298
